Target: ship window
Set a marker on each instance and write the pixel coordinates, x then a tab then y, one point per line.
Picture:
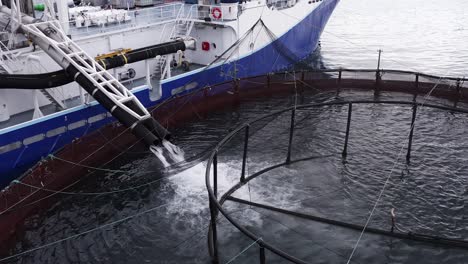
33	139
76	125
55	132
96	118
10	147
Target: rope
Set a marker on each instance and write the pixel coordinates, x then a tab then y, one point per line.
300	233
95	193
245	249
83	233
387	180
219	219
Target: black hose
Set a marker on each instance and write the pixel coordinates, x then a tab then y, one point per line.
149	130
59	78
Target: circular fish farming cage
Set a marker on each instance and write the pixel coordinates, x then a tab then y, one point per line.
286	157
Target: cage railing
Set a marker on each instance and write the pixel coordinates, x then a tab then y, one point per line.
216	200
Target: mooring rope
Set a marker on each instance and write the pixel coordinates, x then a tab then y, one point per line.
300	234
244	250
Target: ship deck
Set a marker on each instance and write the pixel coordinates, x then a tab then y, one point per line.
139	17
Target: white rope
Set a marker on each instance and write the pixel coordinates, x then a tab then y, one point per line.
387	180
245	249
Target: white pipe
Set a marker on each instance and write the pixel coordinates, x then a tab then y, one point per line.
62	12
148	75
18	13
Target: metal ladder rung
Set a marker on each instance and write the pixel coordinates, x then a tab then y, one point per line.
98	73
107	82
126	100
76	54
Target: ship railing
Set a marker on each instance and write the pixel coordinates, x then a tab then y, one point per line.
133	19
8	60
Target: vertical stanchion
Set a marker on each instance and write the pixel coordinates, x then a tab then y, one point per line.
291	133
340	73
214	233
338	87
215	174
348	125
262	255
410	141
244	157
268	80
213	212
378	76
458	89
416	86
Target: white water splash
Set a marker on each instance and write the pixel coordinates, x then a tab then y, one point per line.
158	152
175	152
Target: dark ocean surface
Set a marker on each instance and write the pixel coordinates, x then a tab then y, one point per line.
164	217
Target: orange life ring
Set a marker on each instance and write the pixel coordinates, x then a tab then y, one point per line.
216	13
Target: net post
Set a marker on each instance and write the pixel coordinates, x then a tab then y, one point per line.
262	255
340	73
410	141
244	157
214	233
214	211
378	76
215	174
458	89
291	134
348	126
338	87
268	80
416	86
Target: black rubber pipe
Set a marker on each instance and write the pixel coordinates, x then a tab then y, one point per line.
59	78
149	130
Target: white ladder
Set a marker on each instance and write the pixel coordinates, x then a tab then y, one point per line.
182	28
66	52
53	99
183	24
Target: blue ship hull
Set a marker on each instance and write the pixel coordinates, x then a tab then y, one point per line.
23	145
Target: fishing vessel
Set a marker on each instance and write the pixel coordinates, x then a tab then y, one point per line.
69	68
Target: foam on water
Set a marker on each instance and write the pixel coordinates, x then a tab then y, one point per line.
175	152
158	152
